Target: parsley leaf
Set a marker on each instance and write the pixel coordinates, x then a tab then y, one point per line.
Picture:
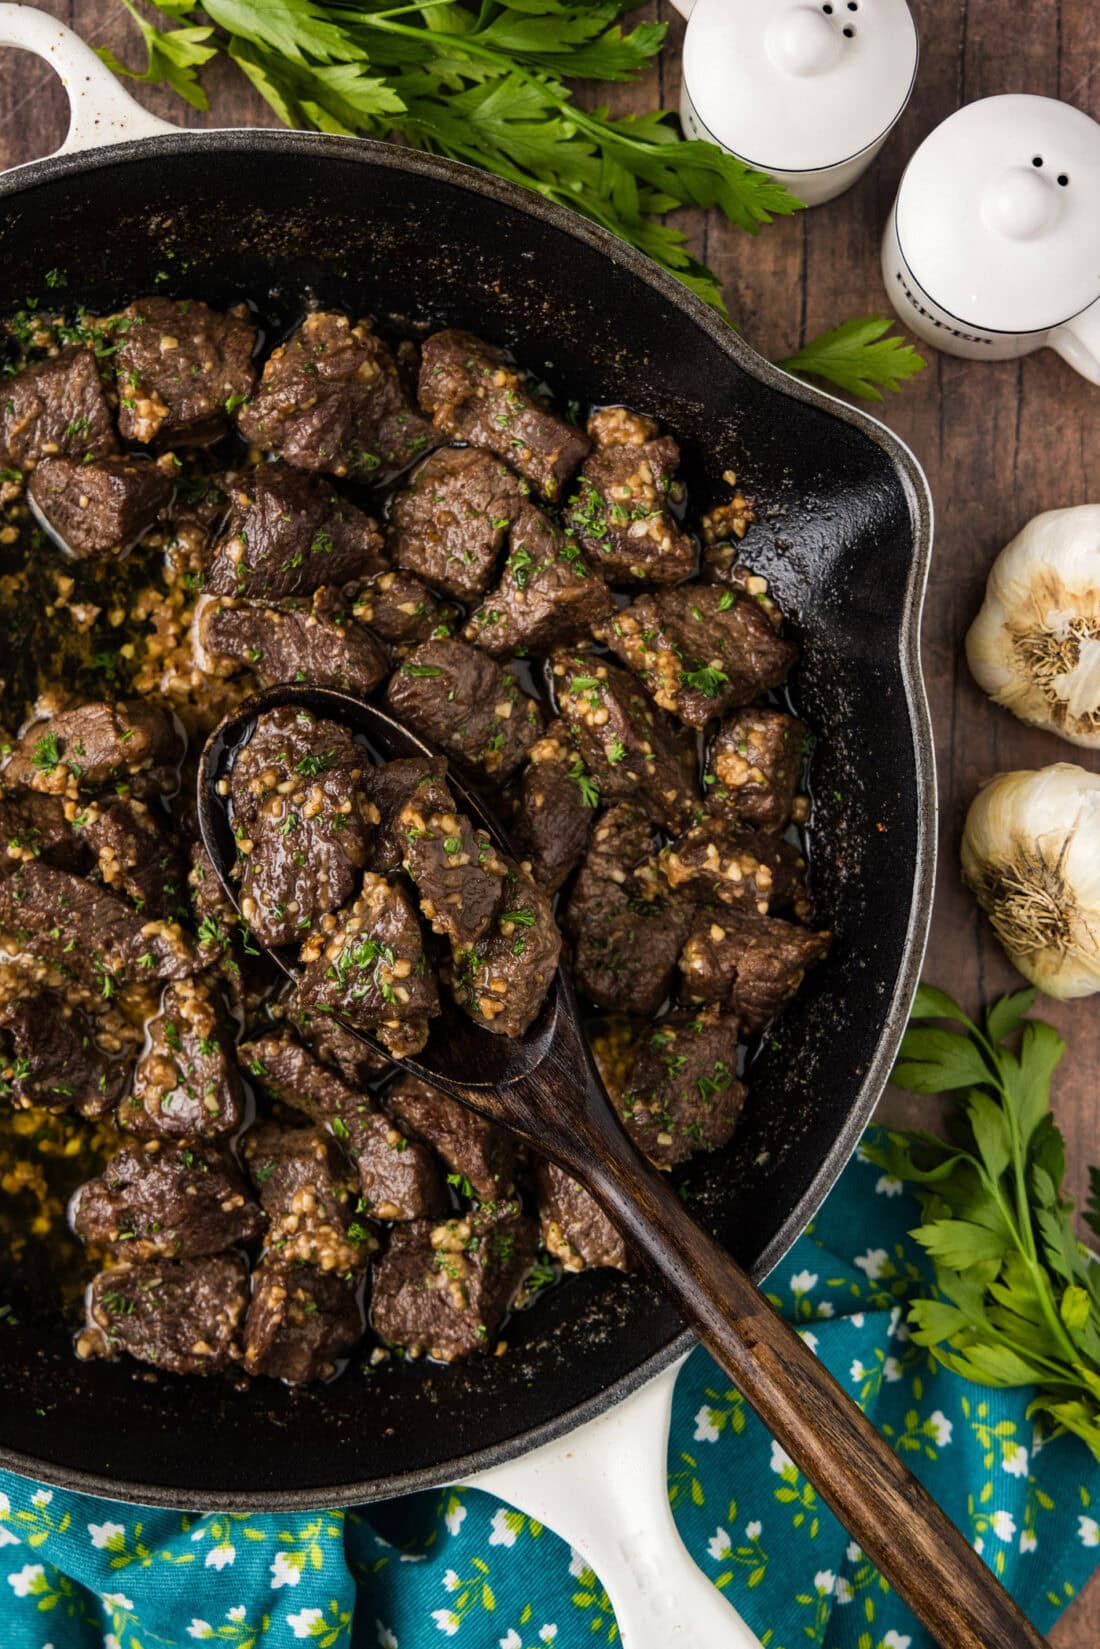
857	358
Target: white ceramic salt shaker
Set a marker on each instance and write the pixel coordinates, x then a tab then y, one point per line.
805	92
992	249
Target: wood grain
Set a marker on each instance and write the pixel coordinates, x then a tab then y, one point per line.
999	442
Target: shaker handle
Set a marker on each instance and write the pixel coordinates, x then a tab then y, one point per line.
1078	342
100	112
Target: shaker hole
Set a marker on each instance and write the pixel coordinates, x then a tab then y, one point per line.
1063	179
828	10
848	34
1036	160
853	5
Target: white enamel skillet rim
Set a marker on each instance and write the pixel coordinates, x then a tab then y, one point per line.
601	1483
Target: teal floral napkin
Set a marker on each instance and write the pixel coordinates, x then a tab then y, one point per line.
78	1573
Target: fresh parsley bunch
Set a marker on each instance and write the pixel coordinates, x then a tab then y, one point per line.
484	82
1017	1296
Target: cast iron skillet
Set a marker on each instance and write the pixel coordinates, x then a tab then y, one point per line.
843	534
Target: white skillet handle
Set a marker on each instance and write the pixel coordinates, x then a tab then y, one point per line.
99	110
604	1488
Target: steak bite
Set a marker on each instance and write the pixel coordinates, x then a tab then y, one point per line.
52	1059
290	1074
182	1316
620	509
135	856
551	818
501	980
575	1230
632	751
419	779
475	1150
182	368
367	962
475	394
101	508
288	534
167	1200
131	745
213	915
547	595
87	934
308	1193
401	610
34	825
700	650
627	930
753	768
459	874
682	1095
463	702
443	1290
303	822
714	861
186	1084
450	523
400	1178
751	965
334	1046
300	1322
55	408
318	642
331	398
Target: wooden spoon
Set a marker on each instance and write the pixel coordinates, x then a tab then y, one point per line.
545	1087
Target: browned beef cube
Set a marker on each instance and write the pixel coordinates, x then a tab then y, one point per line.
335	1047
300	1322
392	785
331	398
632	751
55	407
186	1084
552	818
309	1195
547	595
501	980
400	1177
721	565
751	965
443	1290
402	610
620	509
130	745
459	874
176	1201
135	855
318	642
367	962
450	523
575	1229
481	1156
213	915
101	508
683	1095
466	704
56	1061
475	394
182	1316
287	1071
754	766
182	369
36	826
301	848
86	933
755	872
699	650
288	534
627	931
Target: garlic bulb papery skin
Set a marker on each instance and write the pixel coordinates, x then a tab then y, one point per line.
1035	645
1031	853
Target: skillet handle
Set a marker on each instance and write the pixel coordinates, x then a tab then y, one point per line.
100	112
604	1488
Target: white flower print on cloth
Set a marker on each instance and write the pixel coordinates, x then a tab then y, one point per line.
286	1569
1015	1460
873	1262
455	1515
803	1282
824	1581
577	1565
808	1339
895	1640
107	1537
27	1581
719	1545
888	1186
1029	1541
824	1308
446	1621
705	1429
451	1582
548	1633
782	1463
754	1530
118	1600
304	1624
386	1639
1088	1531
1003	1525
941	1427
41	1497
891	1370
504	1526
843	1590
220	1557
200	1629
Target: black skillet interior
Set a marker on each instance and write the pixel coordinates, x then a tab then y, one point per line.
842	535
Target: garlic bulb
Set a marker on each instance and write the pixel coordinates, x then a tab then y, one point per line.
1035	645
1031	853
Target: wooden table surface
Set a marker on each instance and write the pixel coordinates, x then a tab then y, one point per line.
999	442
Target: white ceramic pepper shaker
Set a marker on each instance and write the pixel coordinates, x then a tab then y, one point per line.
805	92
992	249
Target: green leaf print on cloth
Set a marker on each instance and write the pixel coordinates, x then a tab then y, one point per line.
78	1573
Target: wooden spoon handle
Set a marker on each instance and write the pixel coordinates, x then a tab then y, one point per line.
898	1524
